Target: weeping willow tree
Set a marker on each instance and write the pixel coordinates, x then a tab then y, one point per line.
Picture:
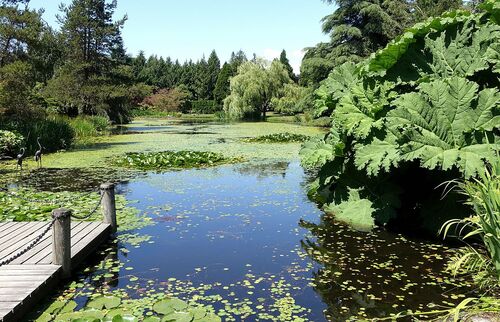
254	87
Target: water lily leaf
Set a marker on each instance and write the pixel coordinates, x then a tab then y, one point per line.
198	313
212	318
108	302
125	318
152	319
179	317
44	317
169	305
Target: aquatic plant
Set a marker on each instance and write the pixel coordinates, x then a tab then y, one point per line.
421	111
88	126
285	137
31	205
113	308
171	160
481	261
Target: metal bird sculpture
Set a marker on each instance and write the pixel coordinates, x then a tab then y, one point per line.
20	158
38	153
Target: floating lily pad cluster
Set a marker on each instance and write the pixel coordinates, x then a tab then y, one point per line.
112	308
285	137
171	160
31	205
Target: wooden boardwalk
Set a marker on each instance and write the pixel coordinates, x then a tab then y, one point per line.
31	276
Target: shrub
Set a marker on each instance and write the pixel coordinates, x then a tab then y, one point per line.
293	99
88	126
421	111
55	133
205	107
10	143
167	100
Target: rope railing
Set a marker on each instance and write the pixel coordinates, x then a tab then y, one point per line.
62	216
92	212
29	247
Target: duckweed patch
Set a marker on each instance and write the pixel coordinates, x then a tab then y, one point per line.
172	160
285	137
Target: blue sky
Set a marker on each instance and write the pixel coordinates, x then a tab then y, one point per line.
187	29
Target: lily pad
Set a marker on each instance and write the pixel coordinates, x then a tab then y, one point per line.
108	302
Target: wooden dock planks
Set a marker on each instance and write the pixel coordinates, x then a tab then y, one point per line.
32	276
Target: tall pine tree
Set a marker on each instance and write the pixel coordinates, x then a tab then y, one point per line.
221	90
86	83
284	60
213	73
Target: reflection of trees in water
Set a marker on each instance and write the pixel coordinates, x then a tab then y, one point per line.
369	275
341	303
264	170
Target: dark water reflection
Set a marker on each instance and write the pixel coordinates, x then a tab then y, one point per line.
222	228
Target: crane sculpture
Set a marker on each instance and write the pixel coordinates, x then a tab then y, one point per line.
38	153
20	158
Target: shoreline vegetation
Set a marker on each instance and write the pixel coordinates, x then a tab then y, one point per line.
395	120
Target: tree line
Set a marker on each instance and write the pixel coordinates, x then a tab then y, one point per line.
83	68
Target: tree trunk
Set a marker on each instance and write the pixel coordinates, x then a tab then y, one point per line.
264	110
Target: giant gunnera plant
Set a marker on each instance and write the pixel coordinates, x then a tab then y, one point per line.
422	111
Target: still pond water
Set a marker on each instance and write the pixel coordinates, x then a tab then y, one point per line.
245	239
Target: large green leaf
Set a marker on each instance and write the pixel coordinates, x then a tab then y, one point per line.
444	125
466	54
318	151
356	212
387	57
336	86
360	112
378	155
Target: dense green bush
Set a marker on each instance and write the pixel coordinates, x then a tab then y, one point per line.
205	107
419	112
293	99
88	126
10	143
55	133
167	100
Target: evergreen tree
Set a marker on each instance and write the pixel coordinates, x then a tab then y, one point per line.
424	9
237	59
284	60
221	90
20	29
138	66
213	72
90	81
358	28
202	80
90	34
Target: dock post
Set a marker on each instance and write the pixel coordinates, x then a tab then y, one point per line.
61	240
109	205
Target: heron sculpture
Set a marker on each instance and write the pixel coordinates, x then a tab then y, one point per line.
38	153
20	158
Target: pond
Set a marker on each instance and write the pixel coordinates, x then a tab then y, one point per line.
245	240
